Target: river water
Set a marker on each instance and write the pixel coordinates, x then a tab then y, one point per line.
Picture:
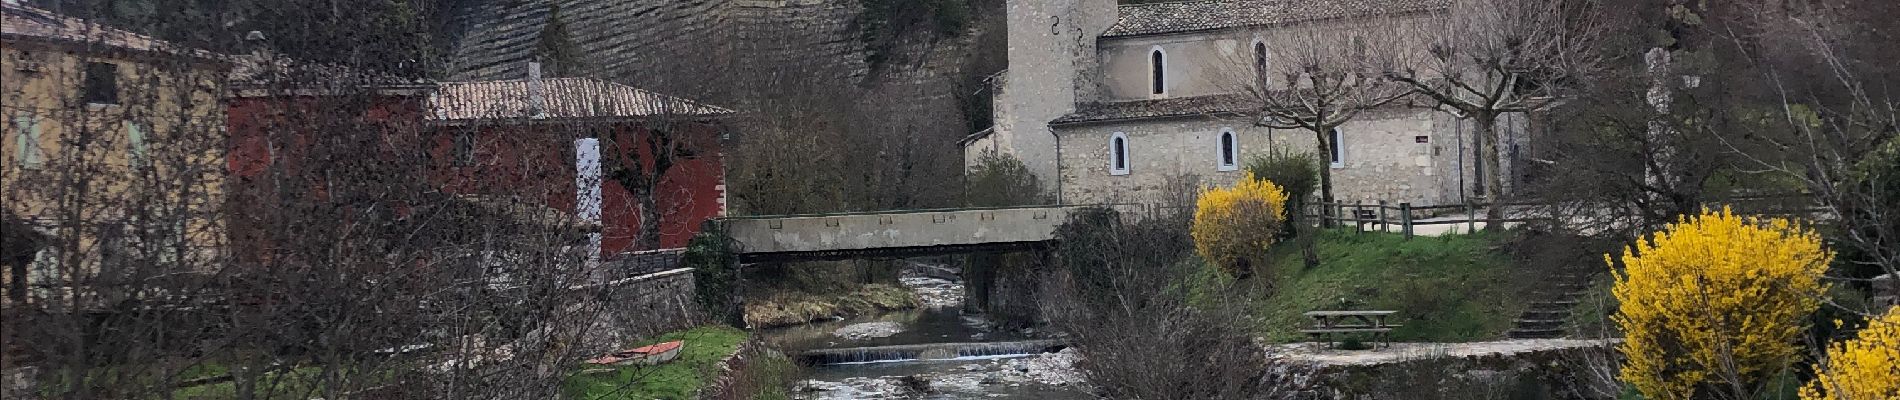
1028	374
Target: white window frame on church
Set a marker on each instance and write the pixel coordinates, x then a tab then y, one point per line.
1338	158
1226	151
1119	161
1158	72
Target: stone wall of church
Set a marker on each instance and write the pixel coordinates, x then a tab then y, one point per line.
1158	151
1401	155
1051	59
1214	62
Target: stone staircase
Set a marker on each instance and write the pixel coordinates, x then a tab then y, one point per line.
1546	317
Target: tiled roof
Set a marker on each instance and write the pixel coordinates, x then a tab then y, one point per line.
1230	105
564	98
1189	16
22	21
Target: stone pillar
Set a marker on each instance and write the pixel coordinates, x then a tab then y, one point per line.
979	276
587	199
735	308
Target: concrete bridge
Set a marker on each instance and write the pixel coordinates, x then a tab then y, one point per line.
893	234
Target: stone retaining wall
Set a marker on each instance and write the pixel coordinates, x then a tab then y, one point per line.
639	307
723	386
1557	373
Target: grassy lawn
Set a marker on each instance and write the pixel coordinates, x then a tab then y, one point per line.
297	381
1451	288
275	384
680	379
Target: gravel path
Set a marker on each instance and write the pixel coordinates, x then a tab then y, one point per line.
1317	354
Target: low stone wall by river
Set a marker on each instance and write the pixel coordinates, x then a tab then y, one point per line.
1513	369
639	307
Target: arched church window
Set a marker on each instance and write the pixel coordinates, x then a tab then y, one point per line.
1158	70
1118	154
1229	151
1260	64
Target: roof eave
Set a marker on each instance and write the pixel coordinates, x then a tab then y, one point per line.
1217	114
254	91
200	55
709	117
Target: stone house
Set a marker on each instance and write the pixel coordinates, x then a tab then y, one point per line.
109	154
1111	103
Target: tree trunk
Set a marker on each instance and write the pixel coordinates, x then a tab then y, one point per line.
1485	126
1309	248
649	236
1325	175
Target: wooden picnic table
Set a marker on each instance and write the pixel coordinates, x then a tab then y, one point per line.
1328	323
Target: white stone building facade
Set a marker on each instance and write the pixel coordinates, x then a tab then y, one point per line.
1109	103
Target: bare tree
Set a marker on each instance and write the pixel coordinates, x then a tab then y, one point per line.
1119	289
259	227
1315	80
1825	73
1484	59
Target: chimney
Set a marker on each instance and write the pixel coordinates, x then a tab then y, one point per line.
537	92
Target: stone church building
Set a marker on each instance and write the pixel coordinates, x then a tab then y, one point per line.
1110	103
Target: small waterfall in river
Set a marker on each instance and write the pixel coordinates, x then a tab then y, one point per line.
933	351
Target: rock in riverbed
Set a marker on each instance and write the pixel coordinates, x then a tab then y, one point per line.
869	330
934	292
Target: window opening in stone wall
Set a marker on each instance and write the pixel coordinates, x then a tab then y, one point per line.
1260	65
1229	152
1118	154
1158	66
102	83
1338	147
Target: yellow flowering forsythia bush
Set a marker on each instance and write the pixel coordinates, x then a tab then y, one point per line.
1867	367
1233	223
1714	298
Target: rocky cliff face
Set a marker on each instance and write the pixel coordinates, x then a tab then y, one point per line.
681	45
785	65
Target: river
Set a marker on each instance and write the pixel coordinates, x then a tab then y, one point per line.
934	352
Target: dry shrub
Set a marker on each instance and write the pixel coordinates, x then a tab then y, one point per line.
1148	325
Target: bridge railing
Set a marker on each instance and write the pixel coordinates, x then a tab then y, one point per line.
889	212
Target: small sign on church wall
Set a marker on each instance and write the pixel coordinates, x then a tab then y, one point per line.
1422	139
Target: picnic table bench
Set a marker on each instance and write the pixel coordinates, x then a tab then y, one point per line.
1329	323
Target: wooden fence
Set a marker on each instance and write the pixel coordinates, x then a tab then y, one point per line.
1384	215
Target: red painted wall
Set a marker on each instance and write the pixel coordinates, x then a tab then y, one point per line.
284	133
537	160
527	160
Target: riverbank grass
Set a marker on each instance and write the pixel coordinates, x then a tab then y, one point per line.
792	307
1453	288
682	378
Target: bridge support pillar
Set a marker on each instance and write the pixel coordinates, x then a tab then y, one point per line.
735	311
979	277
